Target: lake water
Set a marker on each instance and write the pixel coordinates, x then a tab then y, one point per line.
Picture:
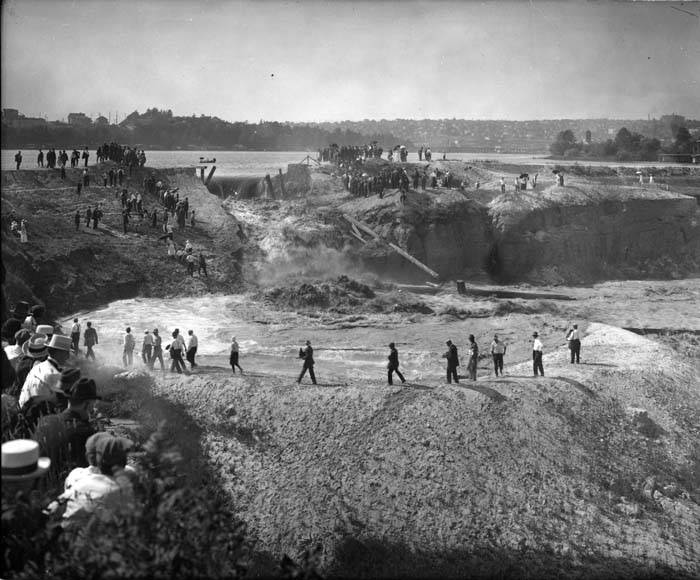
262	162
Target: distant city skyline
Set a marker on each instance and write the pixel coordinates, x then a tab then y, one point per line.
310	61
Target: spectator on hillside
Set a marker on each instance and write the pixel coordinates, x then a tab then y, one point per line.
76	219
452	357
42	380
104	486
18	159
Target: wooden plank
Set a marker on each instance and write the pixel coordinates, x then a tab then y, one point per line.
359	237
364	227
357	232
415	261
211	174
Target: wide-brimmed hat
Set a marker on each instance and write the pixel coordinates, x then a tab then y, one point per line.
35	347
391	345
535	335
60	342
21	461
83	390
21	309
68	378
45	329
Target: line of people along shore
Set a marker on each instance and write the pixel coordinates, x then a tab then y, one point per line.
49	407
130	157
23	337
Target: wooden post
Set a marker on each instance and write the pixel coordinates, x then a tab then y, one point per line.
201	173
211	174
284	193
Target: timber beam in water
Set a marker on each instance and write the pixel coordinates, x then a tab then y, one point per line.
364	227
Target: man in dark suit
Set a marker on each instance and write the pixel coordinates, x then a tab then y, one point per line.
308	355
452	362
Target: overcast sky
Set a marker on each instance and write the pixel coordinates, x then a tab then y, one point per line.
329	61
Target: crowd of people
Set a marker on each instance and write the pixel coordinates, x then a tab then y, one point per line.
131	157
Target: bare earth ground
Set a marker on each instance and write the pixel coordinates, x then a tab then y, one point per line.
592	471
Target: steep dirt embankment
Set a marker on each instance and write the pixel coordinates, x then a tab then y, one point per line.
573	234
589	472
69	269
448	232
585	232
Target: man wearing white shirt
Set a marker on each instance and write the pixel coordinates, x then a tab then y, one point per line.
537	355
75	336
574	339
191	348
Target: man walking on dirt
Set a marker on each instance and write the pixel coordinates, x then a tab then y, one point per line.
537	355
192	343
452	357
498	349
90	338
308	355
473	357
233	358
129	344
574	339
393	366
147	348
75	336
157	350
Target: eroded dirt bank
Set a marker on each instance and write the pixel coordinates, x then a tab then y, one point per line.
69	269
591	471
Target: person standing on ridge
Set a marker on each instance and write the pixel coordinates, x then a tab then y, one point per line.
129	344
452	357
147	348
18	159
176	347
393	366
75	336
473	357
233	359
308	355
90	340
192	343
574	339
537	355
157	350
498	350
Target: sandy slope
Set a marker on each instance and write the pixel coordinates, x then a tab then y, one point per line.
503	476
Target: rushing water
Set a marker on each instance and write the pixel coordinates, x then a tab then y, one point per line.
353	352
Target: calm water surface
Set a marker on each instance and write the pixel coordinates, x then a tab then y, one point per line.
262	162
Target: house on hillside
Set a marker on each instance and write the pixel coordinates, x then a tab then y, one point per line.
79	120
101	121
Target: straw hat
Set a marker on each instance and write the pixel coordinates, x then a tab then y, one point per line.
35	347
45	329
21	461
60	342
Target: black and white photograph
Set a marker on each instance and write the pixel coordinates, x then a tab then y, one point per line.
335	289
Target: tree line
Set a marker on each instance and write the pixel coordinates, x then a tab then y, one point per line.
626	146
160	129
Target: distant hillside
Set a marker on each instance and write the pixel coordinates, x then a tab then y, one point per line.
506	136
158	129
